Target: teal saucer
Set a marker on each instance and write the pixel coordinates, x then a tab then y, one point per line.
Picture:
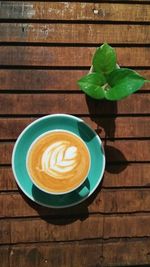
61	122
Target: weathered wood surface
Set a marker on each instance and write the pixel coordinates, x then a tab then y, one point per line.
89	228
46	47
4	256
118	253
74	11
120	127
70	33
116	176
47	80
111	201
71	103
68	56
57	254
116	151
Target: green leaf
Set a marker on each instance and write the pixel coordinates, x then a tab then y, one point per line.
92	85
104	59
119	74
123	83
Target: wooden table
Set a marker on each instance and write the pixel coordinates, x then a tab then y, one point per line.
46	47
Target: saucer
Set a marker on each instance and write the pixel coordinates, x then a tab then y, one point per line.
49	123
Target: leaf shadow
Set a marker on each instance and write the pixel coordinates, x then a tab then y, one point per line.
104	114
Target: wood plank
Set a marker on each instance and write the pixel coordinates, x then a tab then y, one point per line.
75	229
6	152
137	126
104	201
8	131
138	226
116	176
74	11
108	254
5	231
55	230
126	253
127	226
72	33
57	255
7	181
133	175
68	56
118	253
124	151
47	79
126	201
14	104
116	151
4	256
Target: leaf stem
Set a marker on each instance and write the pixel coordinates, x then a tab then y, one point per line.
106	87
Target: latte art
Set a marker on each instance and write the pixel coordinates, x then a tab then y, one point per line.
58	162
59	158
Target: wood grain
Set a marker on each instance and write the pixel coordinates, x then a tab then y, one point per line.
116	151
107	253
127	253
54	230
47	80
4	256
56	255
68	56
71	103
71	33
92	227
7	181
55	42
133	175
74	11
5	232
105	201
116	176
137	226
122	252
6	152
119	127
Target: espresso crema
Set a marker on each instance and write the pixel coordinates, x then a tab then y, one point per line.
58	162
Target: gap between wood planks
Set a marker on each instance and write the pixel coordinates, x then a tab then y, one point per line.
82	241
77	22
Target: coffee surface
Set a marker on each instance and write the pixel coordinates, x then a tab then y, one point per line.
58	162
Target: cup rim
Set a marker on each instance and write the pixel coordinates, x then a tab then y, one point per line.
51	192
45	117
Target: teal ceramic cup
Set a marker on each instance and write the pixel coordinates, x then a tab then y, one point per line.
83	189
51	123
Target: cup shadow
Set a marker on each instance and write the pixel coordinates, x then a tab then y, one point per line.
59	216
62	216
103	113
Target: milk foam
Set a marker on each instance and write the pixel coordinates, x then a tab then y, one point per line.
59	159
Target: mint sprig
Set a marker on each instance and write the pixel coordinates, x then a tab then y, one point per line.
107	81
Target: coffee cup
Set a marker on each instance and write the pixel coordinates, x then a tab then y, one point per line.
58	162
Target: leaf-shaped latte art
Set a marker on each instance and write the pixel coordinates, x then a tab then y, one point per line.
59	159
